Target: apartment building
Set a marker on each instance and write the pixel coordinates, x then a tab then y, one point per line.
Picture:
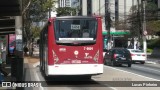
64	3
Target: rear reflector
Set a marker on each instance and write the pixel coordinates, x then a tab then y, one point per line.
143	55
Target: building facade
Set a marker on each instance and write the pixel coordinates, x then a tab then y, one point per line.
64	3
93	7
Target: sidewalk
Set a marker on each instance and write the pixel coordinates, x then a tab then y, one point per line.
152	59
31	59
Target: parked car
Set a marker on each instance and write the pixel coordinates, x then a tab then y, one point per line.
118	56
138	55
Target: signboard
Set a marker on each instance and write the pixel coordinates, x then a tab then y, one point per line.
12	43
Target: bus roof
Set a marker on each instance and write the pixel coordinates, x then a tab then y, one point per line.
76	17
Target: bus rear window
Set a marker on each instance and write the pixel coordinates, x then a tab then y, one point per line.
74	29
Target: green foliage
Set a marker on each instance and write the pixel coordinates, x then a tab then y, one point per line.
151	11
39	9
66	11
35	11
36	31
153	43
153	26
149	50
136	18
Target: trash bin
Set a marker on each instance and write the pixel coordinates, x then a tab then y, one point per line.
17	68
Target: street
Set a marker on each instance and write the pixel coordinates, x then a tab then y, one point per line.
105	81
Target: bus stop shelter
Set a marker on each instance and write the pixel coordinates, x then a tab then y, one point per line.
11	23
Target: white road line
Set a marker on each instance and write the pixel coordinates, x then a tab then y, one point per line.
106	84
38	79
150	62
36	64
132	73
147	69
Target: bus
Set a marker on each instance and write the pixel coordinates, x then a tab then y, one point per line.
72	45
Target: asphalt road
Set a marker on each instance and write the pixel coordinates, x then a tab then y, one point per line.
148	70
106	81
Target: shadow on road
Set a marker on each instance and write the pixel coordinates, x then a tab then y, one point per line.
71	81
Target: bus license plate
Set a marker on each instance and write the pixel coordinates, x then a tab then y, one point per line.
76	61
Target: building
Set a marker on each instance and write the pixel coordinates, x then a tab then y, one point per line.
54	12
90	7
120	9
64	3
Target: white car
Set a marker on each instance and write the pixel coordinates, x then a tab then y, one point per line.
138	55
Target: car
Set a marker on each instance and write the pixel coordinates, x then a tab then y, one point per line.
118	56
138	55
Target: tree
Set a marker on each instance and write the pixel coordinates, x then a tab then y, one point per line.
153	27
34	11
151	11
66	11
136	18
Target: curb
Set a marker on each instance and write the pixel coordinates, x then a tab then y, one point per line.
150	62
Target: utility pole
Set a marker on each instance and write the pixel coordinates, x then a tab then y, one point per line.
139	16
108	22
144	30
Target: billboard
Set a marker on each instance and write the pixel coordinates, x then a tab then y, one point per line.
12	43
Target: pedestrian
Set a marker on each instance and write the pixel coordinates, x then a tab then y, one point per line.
25	50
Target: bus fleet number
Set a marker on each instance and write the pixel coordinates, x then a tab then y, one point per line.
88	48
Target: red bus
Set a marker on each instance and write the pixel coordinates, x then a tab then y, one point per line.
72	45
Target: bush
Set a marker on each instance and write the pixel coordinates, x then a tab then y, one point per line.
149	50
153	43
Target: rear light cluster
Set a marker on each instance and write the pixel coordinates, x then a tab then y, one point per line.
96	56
55	57
144	55
136	55
115	56
132	54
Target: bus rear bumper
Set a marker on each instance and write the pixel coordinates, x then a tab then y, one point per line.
75	69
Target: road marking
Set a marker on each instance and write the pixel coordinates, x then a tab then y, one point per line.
105	84
150	62
132	73
147	68
38	79
36	64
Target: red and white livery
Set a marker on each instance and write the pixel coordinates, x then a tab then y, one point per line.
72	45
